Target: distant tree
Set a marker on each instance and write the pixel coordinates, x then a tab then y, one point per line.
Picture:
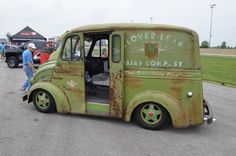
223	45
204	44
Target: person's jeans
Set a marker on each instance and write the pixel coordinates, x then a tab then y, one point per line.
29	73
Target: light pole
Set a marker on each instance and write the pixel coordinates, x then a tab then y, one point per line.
212	7
151	19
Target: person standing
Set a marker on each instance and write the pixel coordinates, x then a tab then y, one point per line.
28	66
2	47
104	53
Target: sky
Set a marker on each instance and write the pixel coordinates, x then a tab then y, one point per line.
54	17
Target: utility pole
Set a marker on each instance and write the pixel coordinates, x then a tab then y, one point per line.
151	19
212	6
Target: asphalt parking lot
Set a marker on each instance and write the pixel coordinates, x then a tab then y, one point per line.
26	132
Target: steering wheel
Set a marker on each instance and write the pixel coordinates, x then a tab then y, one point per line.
92	63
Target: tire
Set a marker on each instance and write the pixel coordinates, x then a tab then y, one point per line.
43	101
12	62
151	116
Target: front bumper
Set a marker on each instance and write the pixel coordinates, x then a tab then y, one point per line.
25	97
208	113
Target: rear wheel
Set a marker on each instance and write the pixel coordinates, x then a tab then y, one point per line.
151	116
43	101
12	62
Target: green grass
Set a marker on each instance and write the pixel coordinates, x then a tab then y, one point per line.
220	69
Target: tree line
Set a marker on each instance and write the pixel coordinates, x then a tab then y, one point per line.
205	44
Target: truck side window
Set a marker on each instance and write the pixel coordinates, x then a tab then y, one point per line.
76	52
100	48
116	48
71	49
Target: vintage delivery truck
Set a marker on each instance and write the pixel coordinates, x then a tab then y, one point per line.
147	72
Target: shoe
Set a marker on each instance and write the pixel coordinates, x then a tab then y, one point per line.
22	89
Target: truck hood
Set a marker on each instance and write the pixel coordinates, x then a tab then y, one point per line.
44	73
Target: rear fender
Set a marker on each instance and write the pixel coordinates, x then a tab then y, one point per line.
175	109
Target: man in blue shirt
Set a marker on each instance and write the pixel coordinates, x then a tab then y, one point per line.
28	66
2	47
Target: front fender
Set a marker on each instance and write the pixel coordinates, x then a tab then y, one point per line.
61	101
176	110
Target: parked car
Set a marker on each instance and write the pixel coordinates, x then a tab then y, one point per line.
10	47
14	56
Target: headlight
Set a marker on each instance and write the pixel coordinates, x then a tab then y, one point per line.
190	94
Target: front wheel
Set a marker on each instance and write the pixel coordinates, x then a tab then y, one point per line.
151	116
43	101
12	62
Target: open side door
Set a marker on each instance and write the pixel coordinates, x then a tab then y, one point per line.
116	57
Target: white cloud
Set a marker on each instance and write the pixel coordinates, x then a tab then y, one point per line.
54	17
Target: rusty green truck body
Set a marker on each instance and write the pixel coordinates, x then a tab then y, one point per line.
151	72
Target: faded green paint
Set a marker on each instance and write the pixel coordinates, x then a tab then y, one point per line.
44	73
69	76
54	55
97	107
117	77
62	103
158	64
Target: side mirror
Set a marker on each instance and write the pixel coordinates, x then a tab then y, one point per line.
22	47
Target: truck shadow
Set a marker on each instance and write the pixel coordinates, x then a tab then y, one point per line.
200	129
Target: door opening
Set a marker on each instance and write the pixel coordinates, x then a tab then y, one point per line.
97	72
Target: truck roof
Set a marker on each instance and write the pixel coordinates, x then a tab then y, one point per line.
129	26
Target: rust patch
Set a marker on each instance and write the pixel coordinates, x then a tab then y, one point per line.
115	106
177	92
76	71
177	88
57	78
196	111
75	90
62	70
133	83
192	53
